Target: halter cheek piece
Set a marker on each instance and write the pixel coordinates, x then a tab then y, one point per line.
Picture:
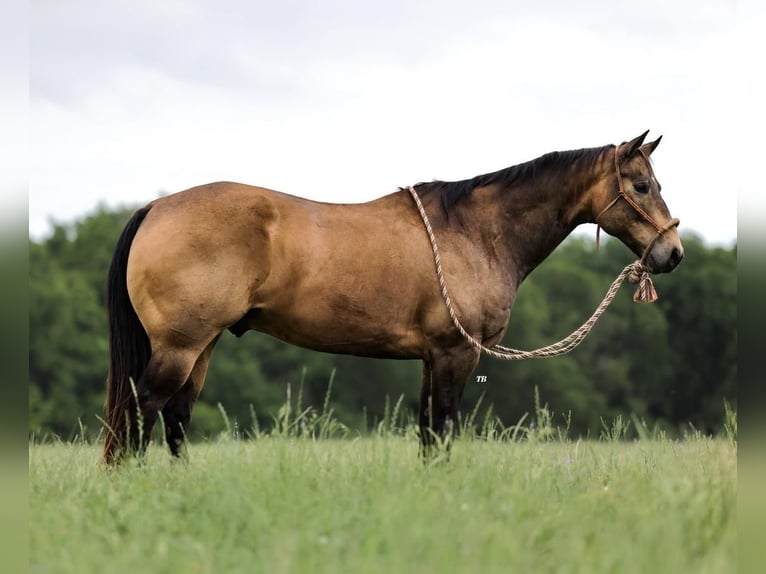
661	229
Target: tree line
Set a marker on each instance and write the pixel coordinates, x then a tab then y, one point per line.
671	364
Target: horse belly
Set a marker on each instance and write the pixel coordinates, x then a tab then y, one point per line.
337	321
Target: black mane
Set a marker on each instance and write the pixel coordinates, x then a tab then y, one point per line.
553	162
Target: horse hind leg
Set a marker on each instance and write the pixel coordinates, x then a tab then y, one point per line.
176	414
177	411
167	371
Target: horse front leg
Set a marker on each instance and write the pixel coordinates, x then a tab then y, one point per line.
445	375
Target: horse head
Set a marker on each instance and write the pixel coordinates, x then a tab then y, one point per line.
628	205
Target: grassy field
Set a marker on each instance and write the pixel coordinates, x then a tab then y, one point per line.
281	504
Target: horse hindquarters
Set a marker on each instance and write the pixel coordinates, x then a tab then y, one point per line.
142	375
161	334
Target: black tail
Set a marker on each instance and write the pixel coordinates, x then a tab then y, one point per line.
129	349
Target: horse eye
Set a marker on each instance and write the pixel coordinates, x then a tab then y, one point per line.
641	186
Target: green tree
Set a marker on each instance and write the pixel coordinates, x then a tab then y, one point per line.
701	311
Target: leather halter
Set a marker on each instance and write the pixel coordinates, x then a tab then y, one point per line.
661	229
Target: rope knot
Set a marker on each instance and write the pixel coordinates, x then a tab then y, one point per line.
645	291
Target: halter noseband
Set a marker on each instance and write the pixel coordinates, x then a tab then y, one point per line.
661	229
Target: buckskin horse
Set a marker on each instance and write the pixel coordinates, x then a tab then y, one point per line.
356	279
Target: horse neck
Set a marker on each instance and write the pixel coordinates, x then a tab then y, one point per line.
540	213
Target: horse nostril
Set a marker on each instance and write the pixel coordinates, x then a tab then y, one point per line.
675	256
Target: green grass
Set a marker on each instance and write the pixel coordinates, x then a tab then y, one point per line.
287	504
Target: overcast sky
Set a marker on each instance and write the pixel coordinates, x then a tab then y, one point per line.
345	101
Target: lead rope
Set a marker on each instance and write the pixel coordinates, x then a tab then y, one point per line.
636	272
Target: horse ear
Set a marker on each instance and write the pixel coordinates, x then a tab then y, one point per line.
651	146
627	149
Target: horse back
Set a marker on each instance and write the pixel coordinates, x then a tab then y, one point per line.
339	278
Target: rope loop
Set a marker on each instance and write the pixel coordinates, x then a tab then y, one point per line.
635	272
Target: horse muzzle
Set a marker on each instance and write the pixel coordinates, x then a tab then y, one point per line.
665	251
